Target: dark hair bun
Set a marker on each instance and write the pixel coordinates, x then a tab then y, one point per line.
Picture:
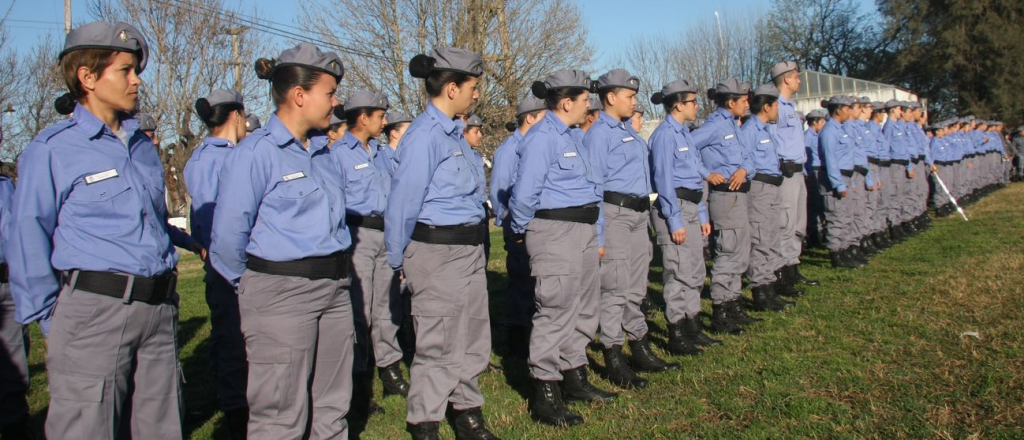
264	68
711	94
539	89
657	98
594	87
421	66
824	103
203	109
64	104
339	111
510	126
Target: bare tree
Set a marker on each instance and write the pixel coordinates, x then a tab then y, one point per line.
830	36
10	83
41	84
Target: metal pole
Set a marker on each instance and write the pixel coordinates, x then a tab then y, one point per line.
234	33
67	17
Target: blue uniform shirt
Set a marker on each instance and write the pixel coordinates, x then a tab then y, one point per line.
85	201
836	153
554	172
202	178
438	182
367	180
788	129
283	202
896	134
676	164
857	130
619	156
758	139
503	175
811	146
720	147
6	198
388	155
881	149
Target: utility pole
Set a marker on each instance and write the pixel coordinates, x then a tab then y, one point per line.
67	17
234	33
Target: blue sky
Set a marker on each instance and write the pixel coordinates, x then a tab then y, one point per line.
611	23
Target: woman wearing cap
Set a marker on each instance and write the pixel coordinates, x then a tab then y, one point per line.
397	122
836	177
763	201
519	298
367	186
720	149
680	217
223	113
620	159
90	207
284	245
879	157
433	236
555	204
815	204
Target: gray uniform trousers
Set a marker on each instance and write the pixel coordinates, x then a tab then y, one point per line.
564	259
227	344
728	212
922	170
519	298
375	301
299	336
453	328
13	361
765	233
627	257
858	208
939	196
875	214
113	369
838	218
683	274
891	192
793	218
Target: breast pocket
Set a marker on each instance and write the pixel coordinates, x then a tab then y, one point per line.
105	207
454	176
295	200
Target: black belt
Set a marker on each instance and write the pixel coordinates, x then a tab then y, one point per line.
916	160
724	187
578	214
874	160
372	222
768	178
921	158
884	162
150	290
689	195
334	266
639	204
903	162
455	235
790	168
944	163
859	169
847	173
4	274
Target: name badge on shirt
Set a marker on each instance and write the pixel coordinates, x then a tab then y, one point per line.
361	166
99	177
569	154
845	136
294	176
684	149
457	153
627	139
765	141
729	136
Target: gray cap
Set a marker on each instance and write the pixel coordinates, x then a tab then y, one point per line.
913	104
530	104
565	79
767	90
618	78
121	37
474	121
783	67
397	117
146	122
893	103
366	99
595	104
969	118
221	96
817	113
252	122
639	109
309	56
732	86
864	100
838	100
451	59
877	105
672	88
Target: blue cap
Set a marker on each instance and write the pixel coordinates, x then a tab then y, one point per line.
121	37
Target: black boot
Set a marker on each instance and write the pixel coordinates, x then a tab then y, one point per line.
867	247
517	342
362	395
693	331
738	314
644	359
236	421
391	378
839	260
896	232
469	425
908	229
619	372
721	322
647	306
798	278
547	407
18	429
678	343
423	431
881	240
763	300
577	388
853	253
784	284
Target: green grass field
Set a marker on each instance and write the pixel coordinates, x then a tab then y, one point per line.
879	352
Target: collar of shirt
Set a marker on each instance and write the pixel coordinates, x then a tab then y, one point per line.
676	126
610	121
447	124
283	137
91	126
722	113
351	141
217	142
760	125
556	123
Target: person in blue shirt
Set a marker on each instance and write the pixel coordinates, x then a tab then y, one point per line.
14	410
223	114
879	157
519	298
901	170
620	157
398	122
942	168
593	111
433	233
473	132
863	180
555	208
720	149
837	151
815	120
919	157
279	236
680	217
89	232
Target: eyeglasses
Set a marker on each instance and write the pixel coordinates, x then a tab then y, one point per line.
688	101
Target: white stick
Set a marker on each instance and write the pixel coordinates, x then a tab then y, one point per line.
951	198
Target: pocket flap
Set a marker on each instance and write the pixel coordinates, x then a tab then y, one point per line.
432	308
270	354
74	387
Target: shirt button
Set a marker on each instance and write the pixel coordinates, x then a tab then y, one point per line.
300	193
